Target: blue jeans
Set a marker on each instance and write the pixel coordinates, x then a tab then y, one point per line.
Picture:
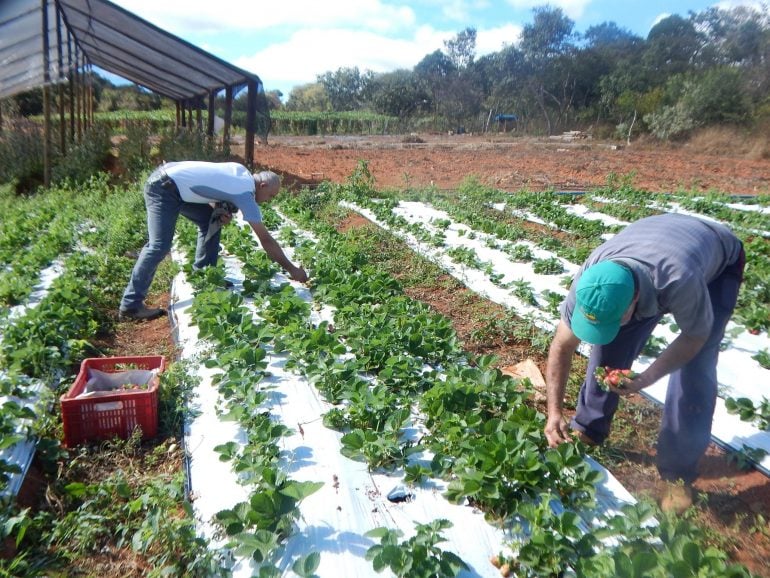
164	205
685	430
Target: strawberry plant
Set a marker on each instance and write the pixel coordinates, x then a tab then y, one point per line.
763	358
745	408
550	266
747	457
417	557
519	252
553	542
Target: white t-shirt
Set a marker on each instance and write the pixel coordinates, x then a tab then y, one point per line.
205	182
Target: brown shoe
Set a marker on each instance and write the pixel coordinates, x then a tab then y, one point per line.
585	439
141	313
675	497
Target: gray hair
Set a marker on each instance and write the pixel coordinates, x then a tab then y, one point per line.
269	178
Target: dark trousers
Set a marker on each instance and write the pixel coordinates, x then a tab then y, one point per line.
692	390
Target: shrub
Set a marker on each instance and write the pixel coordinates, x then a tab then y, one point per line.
186	145
21	155
85	158
134	151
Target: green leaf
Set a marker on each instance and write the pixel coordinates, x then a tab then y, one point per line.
307	565
9	440
300	490
644	563
76	489
691	555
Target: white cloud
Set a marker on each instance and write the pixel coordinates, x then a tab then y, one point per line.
728	4
572	8
494	39
179	16
660	17
313	51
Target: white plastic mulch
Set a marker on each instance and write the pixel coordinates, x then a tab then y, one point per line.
352	501
21	453
739	375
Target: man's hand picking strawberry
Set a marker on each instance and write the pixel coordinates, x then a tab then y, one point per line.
617	380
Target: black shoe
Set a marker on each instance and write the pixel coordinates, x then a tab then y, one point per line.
141	313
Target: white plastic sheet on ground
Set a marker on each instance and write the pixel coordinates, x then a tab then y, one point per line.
352	501
21	453
739	375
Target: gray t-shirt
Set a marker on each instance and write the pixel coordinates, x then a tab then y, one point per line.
673	258
205	182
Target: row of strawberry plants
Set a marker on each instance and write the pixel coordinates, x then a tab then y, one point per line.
473	458
474	207
33	233
752	310
255	529
373	414
126	509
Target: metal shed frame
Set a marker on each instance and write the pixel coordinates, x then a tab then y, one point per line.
55	43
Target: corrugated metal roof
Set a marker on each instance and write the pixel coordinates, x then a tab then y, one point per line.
109	37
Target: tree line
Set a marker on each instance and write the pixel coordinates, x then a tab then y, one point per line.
710	67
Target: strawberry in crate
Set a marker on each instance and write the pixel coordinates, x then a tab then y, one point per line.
608	377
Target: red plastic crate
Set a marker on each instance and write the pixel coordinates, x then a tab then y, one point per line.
114	414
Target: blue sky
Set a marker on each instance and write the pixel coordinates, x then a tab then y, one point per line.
289	42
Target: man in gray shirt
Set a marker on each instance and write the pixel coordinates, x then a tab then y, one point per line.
668	263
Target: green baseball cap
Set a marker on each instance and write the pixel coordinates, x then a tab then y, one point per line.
603	294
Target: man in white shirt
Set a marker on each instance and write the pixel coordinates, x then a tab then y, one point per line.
193	189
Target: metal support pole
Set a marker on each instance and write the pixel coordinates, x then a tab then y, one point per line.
46	99
72	73
228	119
60	54
79	95
251	117
210	119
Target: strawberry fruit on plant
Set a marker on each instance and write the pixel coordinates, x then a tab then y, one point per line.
608	377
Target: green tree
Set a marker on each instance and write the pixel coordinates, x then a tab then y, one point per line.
346	87
717	96
461	50
549	46
434	72
309	97
610	66
550	35
398	93
734	35
693	100
502	77
30	102
673	47
274	99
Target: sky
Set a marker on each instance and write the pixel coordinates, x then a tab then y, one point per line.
290	42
